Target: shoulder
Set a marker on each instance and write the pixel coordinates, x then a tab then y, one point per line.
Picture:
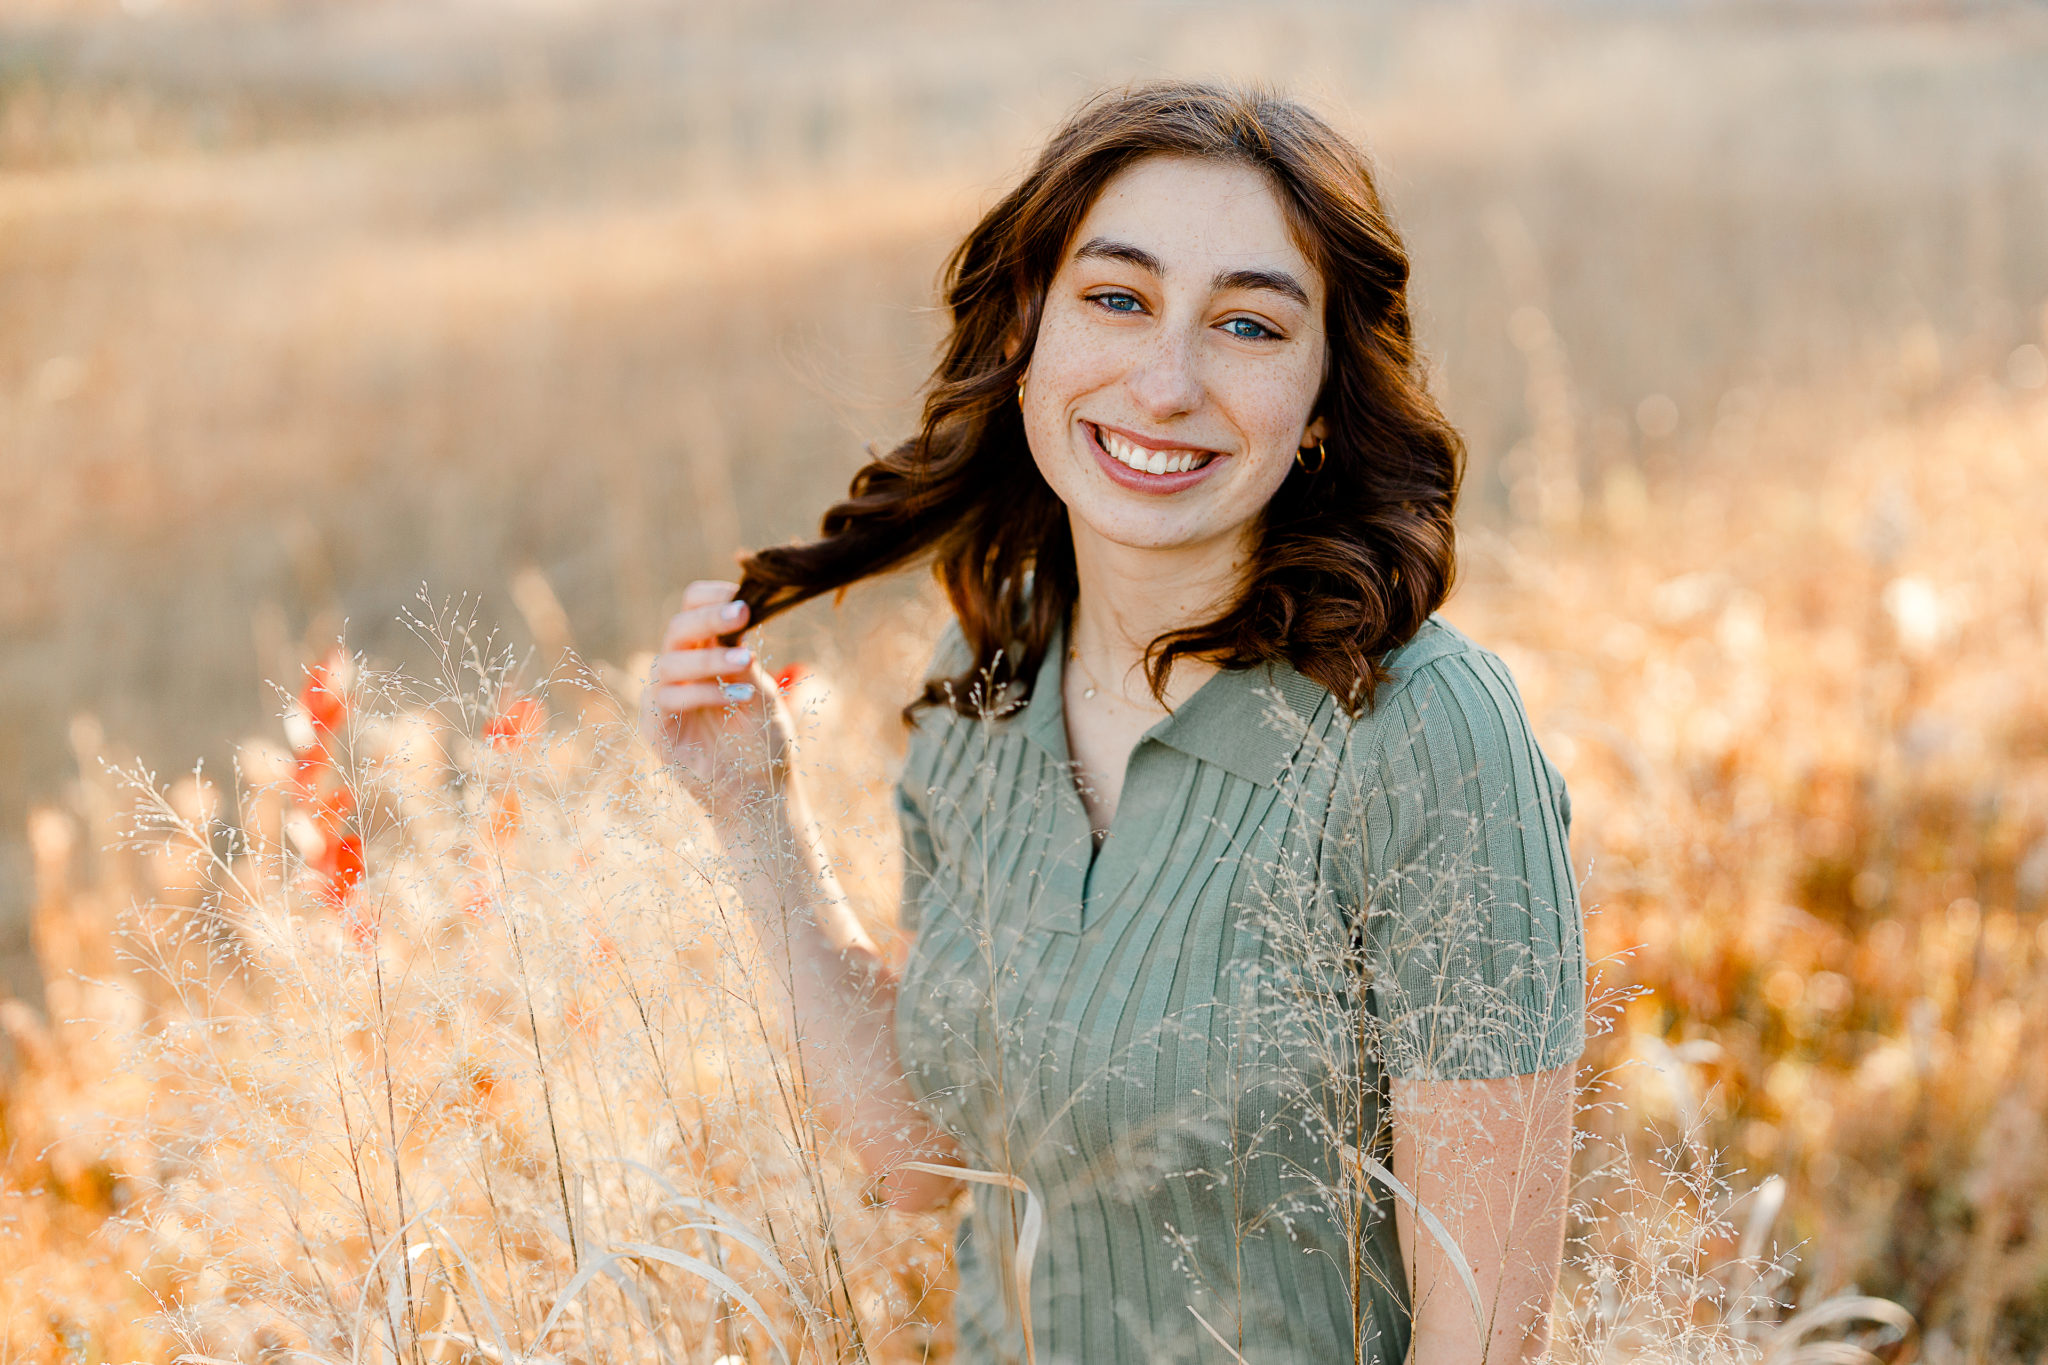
1443	671
1434	654
1449	719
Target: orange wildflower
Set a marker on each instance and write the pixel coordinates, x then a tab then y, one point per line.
504	820
323	701
341	866
482	1080
515	724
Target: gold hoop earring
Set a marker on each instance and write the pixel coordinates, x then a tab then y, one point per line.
1020	393
1321	456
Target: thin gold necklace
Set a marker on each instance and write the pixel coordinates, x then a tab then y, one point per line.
1074	656
1094	683
1088	692
1096	833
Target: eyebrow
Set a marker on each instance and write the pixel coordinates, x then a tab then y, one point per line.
1278	281
1275	281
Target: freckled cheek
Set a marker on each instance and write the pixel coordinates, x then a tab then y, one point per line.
1071	363
1269	409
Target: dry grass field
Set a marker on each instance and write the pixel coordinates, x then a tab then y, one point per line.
302	306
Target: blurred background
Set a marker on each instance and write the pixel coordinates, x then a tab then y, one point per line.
557	305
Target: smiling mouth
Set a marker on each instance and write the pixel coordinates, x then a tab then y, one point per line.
1147	461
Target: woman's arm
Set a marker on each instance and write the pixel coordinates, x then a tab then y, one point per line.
1492	1160
719	725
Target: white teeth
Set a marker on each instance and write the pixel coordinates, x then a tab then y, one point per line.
1148	461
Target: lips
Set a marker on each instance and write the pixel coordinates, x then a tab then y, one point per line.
1145	467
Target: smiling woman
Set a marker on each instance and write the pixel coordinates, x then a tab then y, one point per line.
1246	946
1187	284
1347	562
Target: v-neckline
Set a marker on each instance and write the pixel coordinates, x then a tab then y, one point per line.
1212	724
1110	862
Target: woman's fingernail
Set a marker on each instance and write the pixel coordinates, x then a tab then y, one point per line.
738	691
733	611
738	658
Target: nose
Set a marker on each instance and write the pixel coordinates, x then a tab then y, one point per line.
1166	381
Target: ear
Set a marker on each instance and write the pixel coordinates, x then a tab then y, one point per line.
1314	434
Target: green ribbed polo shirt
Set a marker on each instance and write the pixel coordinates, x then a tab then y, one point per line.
1179	1041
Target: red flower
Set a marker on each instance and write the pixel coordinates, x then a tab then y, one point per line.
341	865
332	809
322	699
515	724
504	817
790	677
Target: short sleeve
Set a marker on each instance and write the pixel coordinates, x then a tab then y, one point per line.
1473	936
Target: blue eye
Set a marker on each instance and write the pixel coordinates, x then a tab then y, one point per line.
1249	330
1120	303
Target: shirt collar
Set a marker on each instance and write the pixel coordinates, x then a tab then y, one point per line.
1238	720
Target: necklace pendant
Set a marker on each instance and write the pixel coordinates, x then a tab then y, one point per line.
1088	694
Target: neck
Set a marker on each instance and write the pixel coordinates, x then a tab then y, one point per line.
1130	597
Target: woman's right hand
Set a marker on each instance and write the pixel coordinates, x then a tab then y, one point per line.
711	712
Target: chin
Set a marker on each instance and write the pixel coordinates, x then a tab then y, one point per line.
1145	533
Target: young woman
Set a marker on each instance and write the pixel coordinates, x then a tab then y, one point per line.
1243	918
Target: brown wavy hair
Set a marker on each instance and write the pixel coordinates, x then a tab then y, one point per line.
1352	558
